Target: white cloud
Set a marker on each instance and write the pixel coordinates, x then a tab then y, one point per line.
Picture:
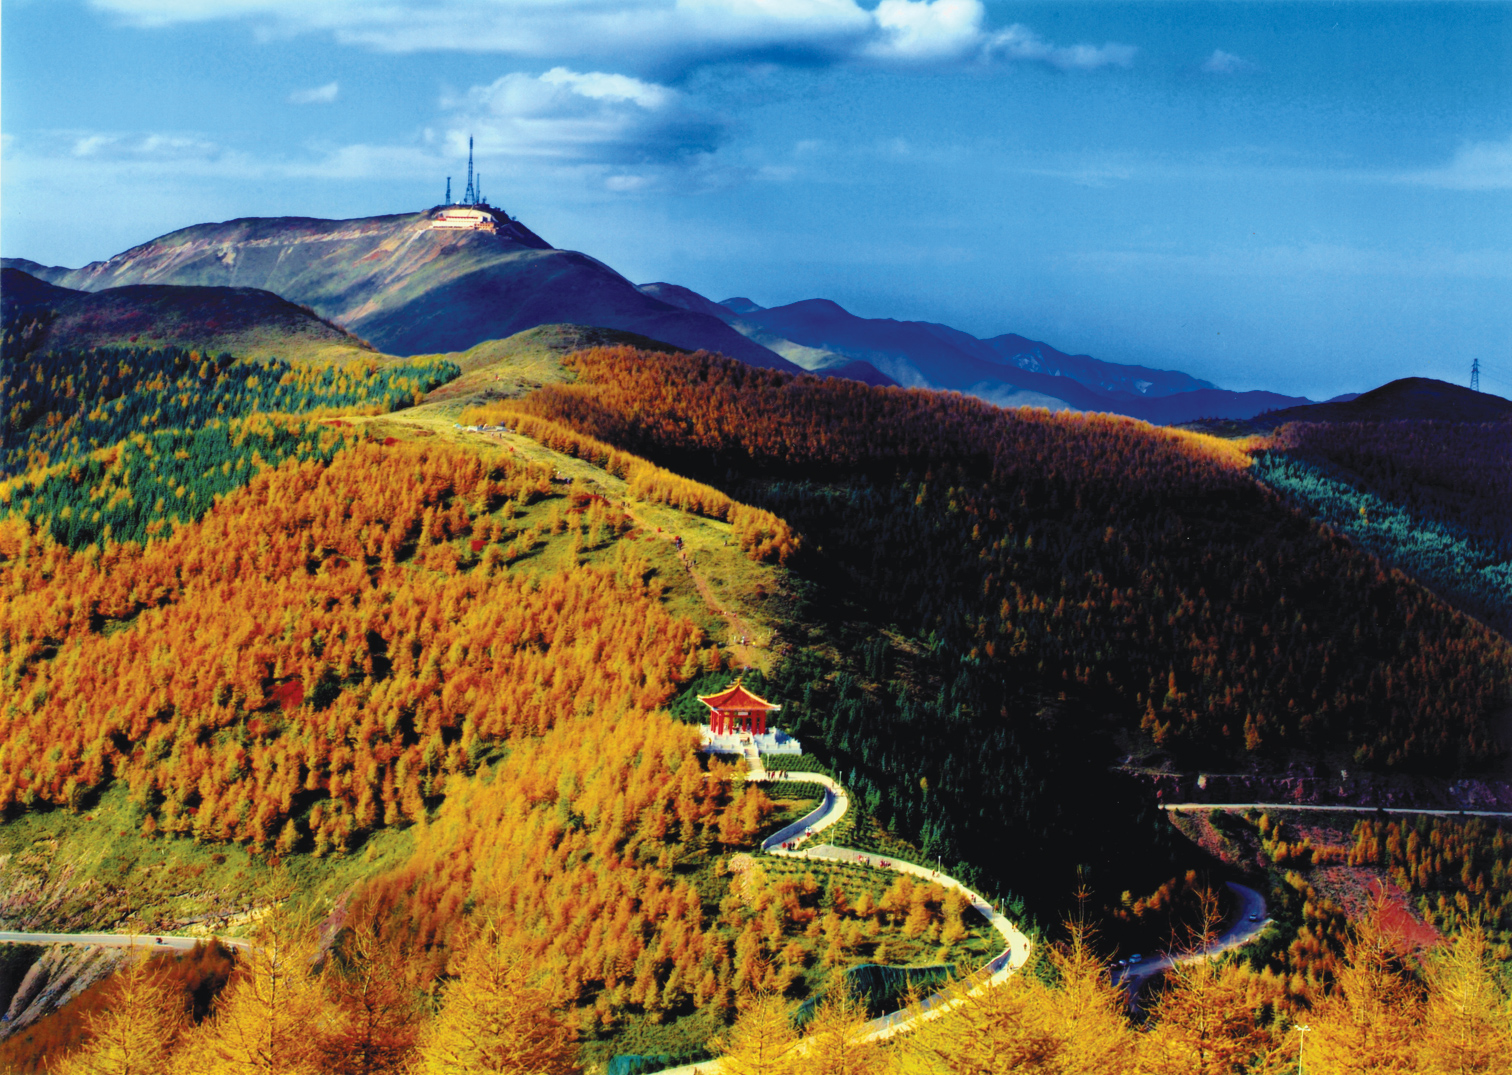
1226	63
138	146
609	87
1476	166
926	29
591	116
1018	42
648	35
320	95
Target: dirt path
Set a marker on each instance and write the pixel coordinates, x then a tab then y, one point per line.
741	637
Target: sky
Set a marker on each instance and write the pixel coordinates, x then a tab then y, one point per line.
1310	198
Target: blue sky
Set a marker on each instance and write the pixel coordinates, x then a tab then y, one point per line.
1311	198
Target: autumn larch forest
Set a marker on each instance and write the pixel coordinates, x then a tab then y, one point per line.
395	703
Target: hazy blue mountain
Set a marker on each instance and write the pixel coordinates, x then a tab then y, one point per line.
1009	370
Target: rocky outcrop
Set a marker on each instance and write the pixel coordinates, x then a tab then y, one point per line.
62	972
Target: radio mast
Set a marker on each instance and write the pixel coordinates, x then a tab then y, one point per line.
471	197
1475	376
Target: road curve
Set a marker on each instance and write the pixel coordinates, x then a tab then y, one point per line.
787	842
150	942
1249	922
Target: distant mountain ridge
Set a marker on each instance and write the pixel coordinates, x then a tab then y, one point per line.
408	288
1405	399
246	321
1009	370
411	288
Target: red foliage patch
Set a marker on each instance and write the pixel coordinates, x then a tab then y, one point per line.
290	694
1398	919
389	442
477	544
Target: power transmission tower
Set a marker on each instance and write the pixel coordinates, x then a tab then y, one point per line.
1475	376
471	197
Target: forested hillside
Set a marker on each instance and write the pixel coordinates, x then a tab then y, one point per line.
1433	498
244	612
1046	580
269	628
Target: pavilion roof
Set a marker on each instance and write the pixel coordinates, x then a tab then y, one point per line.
735	696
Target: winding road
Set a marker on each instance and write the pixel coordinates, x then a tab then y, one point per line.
1335	808
156	943
1249	922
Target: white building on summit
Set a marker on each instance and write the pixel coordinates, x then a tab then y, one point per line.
473	214
456	218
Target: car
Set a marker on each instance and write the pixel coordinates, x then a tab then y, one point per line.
1254	918
1135	958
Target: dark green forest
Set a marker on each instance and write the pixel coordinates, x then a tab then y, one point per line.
1050	585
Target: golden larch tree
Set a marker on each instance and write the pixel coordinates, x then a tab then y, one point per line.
136	1033
495	1019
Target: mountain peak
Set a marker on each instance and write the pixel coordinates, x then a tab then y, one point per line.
439	280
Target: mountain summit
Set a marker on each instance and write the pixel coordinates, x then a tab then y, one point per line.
413	283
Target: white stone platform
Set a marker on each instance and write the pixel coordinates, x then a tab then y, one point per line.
776	741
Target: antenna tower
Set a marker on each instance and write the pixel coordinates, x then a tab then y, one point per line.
1475	376
471	197
478	189
448	191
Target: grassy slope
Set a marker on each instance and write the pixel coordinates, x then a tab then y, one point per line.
519	364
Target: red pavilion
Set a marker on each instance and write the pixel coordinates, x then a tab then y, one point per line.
736	709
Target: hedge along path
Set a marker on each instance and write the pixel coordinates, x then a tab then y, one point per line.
786	843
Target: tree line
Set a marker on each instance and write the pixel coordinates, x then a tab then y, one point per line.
355	1007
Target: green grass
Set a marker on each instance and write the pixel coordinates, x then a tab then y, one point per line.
94	871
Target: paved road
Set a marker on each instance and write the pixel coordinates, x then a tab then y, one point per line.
1336	808
836	802
788	843
1249	922
158	943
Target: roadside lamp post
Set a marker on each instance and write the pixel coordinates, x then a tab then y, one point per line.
1301	1041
